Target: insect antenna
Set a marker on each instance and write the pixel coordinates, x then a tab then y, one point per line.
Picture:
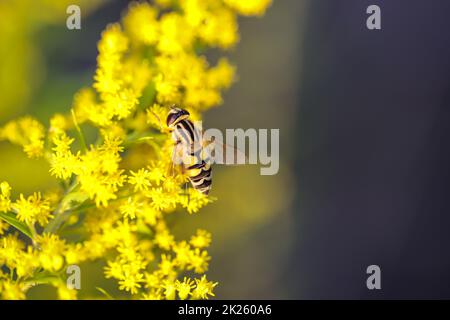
157	118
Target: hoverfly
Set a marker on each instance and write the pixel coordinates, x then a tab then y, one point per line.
189	149
188	146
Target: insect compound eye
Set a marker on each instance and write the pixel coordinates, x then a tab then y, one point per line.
171	118
175	115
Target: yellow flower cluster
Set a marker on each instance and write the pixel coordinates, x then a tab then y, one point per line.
26	132
32	209
118	188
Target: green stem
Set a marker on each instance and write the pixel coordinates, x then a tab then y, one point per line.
80	133
54	225
33	233
146	137
58	214
106	294
61	217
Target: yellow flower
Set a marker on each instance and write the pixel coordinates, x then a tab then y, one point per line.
11	250
62	143
140	180
63	162
184	288
203	288
176	35
26	263
131	257
168	90
131	282
221	29
156	115
222	75
166	266
26	132
85	106
5	189
152	280
64	165
111	145
170	289
11	290
195	201
152	295
141	23
59	123
99	174
131	208
183	254
249	7
199	261
164	239
113	270
74	253
201	239
161	200
156	175
5	193
149	214
65	293
33	209
52	248
121	103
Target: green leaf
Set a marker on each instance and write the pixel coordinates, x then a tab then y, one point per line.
43	278
148	96
73	199
12	220
79	132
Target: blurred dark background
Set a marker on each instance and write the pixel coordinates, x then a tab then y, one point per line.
372	157
363	117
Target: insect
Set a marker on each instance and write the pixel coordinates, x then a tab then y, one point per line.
189	149
193	151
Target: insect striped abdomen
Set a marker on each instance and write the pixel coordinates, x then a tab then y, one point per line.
185	134
202	179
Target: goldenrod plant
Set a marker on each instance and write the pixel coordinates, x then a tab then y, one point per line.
117	191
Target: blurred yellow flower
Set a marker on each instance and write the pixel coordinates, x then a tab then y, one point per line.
5	192
11	290
249	7
26	132
141	24
201	239
52	250
110	206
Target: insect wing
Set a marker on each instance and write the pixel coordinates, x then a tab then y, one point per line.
222	153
